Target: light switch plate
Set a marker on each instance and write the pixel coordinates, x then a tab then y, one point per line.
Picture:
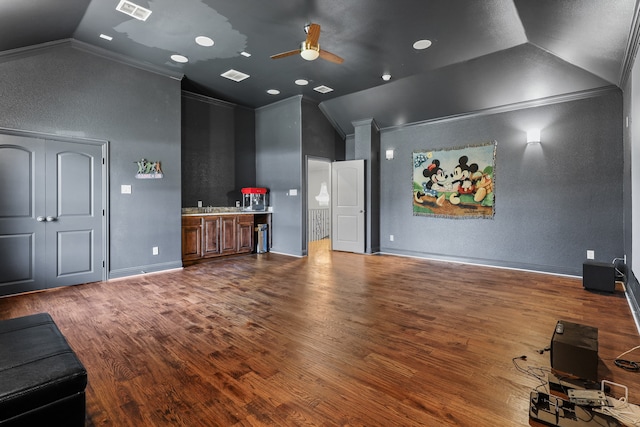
591	254
293	192
125	189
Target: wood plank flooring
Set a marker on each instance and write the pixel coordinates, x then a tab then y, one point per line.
334	339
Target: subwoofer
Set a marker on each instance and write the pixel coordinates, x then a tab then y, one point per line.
574	350
598	276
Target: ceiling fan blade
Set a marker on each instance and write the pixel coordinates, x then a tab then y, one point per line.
285	54
313	35
331	57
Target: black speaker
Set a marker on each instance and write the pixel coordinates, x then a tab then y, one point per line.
574	350
599	276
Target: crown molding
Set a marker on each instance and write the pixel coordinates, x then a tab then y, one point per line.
557	99
631	49
27	51
127	60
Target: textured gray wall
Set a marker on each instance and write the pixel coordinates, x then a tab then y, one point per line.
367	148
208	143
553	201
245	154
287	132
319	140
218	151
279	168
65	91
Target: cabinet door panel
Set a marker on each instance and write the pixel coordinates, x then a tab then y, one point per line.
211	237
191	238
245	233
228	240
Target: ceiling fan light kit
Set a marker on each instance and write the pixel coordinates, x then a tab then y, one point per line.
309	52
310	48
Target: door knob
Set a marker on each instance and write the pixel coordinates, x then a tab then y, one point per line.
51	218
40	219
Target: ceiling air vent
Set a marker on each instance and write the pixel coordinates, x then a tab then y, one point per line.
323	89
133	9
235	75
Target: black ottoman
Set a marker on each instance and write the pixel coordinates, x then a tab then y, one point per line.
42	382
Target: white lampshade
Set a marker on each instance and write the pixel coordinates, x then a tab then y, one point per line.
309	54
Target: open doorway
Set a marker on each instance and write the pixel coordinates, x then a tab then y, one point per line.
318	206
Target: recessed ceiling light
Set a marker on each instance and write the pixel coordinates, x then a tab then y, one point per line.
323	89
302	82
273	92
422	44
245	54
204	41
106	37
180	58
386	77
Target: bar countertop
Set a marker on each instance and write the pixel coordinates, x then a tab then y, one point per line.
213	210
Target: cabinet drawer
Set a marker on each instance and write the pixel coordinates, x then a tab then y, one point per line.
191	220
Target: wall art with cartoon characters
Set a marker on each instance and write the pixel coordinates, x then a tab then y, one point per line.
455	182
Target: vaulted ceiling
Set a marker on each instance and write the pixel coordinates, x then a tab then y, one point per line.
483	53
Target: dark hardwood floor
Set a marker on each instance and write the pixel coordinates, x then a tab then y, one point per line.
332	339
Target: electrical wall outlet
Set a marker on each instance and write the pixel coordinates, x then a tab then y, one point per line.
199	203
154	250
591	254
391	237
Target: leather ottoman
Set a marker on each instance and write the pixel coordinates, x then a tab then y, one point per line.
42	382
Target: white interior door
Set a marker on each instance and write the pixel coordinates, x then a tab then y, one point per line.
348	219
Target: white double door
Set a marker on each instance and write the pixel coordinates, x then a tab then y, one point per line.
51	213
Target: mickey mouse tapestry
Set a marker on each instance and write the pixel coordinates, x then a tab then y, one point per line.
455	182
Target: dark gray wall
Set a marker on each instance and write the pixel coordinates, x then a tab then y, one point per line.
279	168
245	154
319	140
218	151
287	133
367	148
553	201
62	90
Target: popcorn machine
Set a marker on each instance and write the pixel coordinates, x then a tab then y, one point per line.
254	199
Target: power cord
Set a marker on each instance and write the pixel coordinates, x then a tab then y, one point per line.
538	373
627	365
618	271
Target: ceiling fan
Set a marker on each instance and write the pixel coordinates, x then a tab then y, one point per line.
310	49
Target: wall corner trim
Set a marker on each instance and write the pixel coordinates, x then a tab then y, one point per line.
632	292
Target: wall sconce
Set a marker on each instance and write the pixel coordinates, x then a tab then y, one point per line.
389	154
533	136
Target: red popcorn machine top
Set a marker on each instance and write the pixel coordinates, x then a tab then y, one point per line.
254	199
